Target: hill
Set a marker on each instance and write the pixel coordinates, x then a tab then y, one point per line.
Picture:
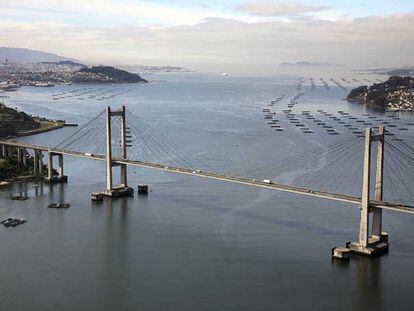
18	55
106	74
19	123
12	121
306	64
397	94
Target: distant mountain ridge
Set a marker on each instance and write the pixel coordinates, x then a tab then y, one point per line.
403	71
19	55
306	64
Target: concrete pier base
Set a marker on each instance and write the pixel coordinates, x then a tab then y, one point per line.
113	193
56	179
341	253
376	246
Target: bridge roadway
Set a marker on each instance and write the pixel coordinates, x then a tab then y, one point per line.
238	180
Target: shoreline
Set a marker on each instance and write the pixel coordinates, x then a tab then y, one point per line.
18	179
41	130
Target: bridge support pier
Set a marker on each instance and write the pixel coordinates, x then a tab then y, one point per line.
3	151
24	157
122	190
372	242
21	156
53	176
37	162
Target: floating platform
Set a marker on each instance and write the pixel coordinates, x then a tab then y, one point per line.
19	198
143	189
59	205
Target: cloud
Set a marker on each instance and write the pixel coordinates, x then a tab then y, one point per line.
104	12
276	8
223	44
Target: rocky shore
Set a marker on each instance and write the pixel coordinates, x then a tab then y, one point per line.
395	94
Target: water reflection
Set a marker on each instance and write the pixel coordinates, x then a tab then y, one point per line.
368	281
56	193
116	250
364	273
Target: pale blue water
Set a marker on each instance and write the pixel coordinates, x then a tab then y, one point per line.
195	244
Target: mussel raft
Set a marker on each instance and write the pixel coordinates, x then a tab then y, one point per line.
58	205
13	222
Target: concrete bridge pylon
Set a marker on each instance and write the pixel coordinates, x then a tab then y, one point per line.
122	189
372	240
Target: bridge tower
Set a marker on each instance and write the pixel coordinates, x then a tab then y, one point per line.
372	241
122	189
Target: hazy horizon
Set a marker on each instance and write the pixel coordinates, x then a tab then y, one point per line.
238	36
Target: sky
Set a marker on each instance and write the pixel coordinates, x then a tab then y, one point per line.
214	35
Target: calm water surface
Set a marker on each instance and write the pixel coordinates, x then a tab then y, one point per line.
195	244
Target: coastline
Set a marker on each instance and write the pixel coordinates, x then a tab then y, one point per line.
42	129
31	178
26	178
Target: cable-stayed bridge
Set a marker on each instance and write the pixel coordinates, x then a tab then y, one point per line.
387	167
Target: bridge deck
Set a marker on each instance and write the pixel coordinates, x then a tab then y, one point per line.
222	177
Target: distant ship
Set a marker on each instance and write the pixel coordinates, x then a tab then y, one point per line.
224	74
44	84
